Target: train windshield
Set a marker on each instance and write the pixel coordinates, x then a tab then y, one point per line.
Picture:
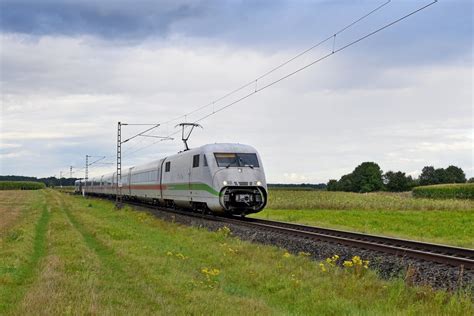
236	160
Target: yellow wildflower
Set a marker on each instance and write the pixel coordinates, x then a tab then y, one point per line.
181	256
304	254
286	255
322	267
348	264
356	260
213	272
169	253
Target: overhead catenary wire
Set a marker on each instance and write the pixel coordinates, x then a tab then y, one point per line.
333	52
332	36
213	103
129	151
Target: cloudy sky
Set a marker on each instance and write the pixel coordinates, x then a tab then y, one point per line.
71	69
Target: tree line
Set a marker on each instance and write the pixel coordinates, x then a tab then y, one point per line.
368	177
49	181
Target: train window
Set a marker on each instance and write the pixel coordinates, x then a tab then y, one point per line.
248	160
168	166
205	160
237	160
195	161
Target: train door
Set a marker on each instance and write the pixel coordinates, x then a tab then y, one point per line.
195	176
190	184
129	180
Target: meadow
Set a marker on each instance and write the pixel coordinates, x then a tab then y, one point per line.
391	214
65	254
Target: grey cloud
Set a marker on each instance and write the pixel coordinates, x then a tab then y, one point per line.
263	25
110	19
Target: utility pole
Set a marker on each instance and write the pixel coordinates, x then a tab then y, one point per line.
86	177
60	176
118	195
89	164
86	169
70	171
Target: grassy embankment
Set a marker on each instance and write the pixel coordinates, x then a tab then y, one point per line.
391	214
66	254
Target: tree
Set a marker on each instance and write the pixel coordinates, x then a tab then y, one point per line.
367	177
452	174
346	183
427	176
332	185
455	174
397	181
471	180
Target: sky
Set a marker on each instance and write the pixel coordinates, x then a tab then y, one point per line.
70	70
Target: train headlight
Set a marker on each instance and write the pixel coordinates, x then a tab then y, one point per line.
224	182
259	183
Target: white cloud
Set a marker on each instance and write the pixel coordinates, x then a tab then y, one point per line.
64	101
294	177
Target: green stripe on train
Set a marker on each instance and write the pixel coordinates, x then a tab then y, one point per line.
198	186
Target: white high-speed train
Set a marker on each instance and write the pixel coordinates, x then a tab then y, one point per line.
221	178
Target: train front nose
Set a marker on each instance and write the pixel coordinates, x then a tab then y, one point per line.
243	192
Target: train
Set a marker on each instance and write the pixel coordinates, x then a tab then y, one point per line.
218	178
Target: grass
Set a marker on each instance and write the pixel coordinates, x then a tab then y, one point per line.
21	185
22	247
65	189
12	204
82	256
390	214
446	191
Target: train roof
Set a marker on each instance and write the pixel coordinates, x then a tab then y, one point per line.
208	148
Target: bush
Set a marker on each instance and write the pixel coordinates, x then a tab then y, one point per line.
445	191
21	185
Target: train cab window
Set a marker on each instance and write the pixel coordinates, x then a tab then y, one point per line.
237	160
205	161
168	166
195	161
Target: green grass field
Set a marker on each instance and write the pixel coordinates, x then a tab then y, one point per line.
63	254
391	214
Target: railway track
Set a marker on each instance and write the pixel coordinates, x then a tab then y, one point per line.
442	254
453	256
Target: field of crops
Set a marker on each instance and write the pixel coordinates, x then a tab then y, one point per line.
69	255
446	191
21	185
327	200
391	214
